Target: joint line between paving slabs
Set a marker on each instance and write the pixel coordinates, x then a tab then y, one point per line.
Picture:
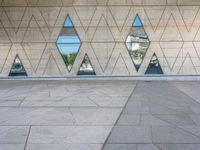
27	137
119	116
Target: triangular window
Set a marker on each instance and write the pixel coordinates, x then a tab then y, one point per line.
154	66
86	67
17	68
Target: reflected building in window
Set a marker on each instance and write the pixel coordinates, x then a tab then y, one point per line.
137	42
154	66
68	43
86	67
17	68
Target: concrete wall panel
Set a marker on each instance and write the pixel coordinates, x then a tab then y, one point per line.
30	29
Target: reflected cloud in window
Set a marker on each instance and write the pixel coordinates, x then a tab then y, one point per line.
137	42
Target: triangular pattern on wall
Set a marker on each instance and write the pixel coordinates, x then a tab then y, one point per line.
17	68
120	67
15	15
120	15
103	53
154	14
171	32
50	15
189	14
137	42
34	52
51	68
86	67
85	14
171	51
33	32
187	67
154	66
68	43
103	32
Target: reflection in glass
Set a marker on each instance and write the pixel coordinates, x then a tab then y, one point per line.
137	42
68	43
86	67
154	66
17	68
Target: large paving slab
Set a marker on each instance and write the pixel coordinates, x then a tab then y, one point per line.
95	115
159	116
60	115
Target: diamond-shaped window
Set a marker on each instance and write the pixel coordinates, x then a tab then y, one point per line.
137	42
17	68
68	43
86	67
154	66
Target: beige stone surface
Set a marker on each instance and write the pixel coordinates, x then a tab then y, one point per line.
30	29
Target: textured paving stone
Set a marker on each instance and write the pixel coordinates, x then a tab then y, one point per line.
63	147
166	134
68	134
147	147
13	134
42	116
120	147
59	115
130	134
179	146
128	119
158	115
169	118
11	146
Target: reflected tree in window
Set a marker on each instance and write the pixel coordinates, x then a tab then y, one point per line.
68	43
86	67
154	66
17	68
137	42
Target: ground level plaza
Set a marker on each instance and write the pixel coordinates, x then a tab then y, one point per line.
95	115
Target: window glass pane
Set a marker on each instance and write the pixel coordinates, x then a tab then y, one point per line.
154	66
86	67
137	42
68	43
17	68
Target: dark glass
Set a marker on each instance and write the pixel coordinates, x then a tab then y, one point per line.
86	67
17	68
154	66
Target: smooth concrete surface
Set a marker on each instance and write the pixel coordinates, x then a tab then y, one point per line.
30	29
99	115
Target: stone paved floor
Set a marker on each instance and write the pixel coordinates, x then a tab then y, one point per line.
159	116
59	115
95	115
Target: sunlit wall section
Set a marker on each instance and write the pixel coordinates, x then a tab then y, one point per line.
120	37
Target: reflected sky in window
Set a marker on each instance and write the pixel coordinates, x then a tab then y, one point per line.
68	43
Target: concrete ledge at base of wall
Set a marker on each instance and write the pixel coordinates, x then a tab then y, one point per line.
99	78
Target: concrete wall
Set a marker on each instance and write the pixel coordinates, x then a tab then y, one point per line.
30	28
